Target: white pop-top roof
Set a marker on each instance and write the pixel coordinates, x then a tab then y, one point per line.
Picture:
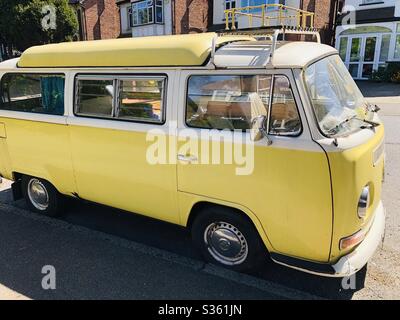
252	54
242	54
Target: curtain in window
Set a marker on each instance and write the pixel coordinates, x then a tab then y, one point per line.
53	94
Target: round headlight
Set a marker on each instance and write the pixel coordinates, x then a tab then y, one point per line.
363	203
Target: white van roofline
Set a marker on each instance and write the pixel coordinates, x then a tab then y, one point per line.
235	55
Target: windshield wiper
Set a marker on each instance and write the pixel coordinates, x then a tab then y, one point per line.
334	130
372	124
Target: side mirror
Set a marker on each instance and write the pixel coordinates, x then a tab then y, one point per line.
258	131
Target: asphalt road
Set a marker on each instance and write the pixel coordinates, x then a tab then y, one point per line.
103	253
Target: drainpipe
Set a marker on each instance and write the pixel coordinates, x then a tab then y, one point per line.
210	15
173	19
335	20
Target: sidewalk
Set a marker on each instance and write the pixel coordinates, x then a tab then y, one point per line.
8	294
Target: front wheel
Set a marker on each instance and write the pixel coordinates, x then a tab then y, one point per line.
42	197
228	239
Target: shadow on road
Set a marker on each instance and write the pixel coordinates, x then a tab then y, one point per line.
372	89
177	240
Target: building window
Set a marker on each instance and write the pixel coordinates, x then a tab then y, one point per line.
130	21
385	47
159	11
230	4
34	93
147	12
365	2
397	49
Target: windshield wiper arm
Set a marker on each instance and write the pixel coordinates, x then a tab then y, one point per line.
335	128
372	124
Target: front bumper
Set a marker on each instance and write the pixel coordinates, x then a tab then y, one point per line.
350	263
357	259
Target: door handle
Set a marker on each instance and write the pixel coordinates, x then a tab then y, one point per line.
188	159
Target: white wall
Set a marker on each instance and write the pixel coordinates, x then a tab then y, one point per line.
387	3
219	8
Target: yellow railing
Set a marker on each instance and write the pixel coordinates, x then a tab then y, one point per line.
270	15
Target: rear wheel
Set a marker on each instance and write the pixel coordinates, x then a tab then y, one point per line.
228	239
41	196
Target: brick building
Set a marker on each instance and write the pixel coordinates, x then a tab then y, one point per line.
325	13
98	19
158	17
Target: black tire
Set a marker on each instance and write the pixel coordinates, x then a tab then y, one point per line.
206	223
55	201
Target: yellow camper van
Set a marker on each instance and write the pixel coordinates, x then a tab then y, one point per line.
131	124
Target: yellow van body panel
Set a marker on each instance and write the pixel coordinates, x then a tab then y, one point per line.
4	158
111	168
175	50
39	149
352	170
289	192
3	133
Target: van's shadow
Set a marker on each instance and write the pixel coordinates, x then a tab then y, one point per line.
177	240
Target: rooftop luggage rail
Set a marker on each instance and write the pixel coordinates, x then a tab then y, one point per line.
272	33
268	15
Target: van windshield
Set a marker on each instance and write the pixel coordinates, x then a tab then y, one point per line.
338	104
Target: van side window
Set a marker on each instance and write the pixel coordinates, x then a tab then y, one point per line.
140	100
35	93
227	102
285	118
95	97
121	98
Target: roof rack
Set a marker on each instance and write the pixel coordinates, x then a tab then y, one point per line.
266	15
273	33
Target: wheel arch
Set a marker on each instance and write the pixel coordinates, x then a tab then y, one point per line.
17	177
195	208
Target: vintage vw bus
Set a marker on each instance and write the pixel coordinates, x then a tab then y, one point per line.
109	122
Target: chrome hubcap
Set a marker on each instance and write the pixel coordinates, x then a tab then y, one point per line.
38	194
226	243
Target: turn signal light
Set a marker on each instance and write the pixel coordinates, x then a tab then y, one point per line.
352	241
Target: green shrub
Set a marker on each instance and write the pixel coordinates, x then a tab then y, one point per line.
391	73
392	68
380	75
396	77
